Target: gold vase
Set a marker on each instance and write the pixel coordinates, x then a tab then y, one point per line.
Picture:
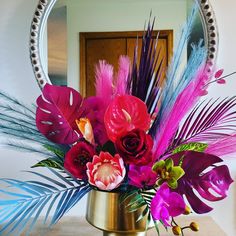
105	212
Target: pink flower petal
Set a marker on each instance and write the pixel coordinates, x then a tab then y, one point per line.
105	171
221	81
219	73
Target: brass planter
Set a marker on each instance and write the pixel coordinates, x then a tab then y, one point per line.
105	212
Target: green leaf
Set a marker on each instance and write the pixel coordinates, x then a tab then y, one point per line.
194	146
124	196
157	228
48	163
137	206
109	147
144	213
136	199
58	152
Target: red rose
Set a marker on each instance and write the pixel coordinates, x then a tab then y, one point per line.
77	158
135	147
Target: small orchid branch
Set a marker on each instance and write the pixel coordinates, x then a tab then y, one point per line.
223	77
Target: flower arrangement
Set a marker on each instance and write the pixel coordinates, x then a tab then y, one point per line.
152	141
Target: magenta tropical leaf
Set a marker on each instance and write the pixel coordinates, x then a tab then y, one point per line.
212	184
58	108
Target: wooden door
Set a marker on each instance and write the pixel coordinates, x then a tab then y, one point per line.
109	46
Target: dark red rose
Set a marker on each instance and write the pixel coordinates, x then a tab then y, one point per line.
135	147
77	158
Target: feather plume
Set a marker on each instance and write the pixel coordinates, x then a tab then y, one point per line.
171	89
104	80
184	102
123	75
223	147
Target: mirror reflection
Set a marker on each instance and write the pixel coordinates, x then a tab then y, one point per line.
69	18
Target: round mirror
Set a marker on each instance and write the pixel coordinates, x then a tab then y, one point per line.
59	54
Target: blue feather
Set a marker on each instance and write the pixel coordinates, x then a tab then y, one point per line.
171	88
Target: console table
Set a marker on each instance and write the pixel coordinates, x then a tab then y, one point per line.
72	226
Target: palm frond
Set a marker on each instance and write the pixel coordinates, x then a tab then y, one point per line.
29	198
18	105
145	75
208	122
18	123
24	147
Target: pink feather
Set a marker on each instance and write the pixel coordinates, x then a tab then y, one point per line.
123	74
184	102
223	147
104	80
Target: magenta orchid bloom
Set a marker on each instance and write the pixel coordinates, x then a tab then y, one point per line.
142	176
124	114
105	171
212	185
166	204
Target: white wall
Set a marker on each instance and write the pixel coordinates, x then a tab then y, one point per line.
113	15
225	211
17	79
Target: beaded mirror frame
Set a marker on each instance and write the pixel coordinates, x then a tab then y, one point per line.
43	10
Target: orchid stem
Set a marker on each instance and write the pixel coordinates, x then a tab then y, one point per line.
223	77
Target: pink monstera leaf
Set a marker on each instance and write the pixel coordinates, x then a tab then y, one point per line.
58	108
124	114
211	184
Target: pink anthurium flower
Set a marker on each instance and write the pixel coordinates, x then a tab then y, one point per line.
105	171
166	204
125	113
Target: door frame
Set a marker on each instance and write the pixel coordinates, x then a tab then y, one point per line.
85	36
